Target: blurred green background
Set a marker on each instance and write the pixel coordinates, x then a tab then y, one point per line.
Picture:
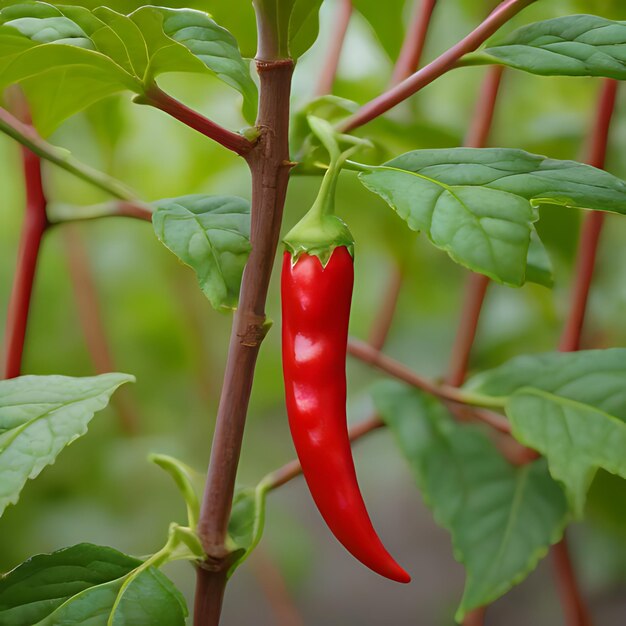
160	328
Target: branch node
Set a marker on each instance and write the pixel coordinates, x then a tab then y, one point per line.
256	327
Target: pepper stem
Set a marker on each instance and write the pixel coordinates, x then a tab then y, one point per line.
320	231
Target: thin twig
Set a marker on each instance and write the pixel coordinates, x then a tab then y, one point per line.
90	318
60	213
592	226
574	607
407	63
442	64
33	228
272	581
482	120
335	46
375	358
227	138
26	135
476	289
291	470
382	322
414	40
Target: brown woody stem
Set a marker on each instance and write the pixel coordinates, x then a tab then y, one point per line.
269	164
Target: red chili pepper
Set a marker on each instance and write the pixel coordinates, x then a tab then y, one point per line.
316	309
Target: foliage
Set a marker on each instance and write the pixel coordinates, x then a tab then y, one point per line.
506	212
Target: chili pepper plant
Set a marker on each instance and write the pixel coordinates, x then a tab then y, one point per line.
457	161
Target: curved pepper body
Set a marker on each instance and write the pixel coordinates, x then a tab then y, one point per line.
316	310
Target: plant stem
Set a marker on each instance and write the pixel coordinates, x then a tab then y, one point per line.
227	138
375	358
269	164
592	226
291	470
484	113
475	617
376	107
33	228
382	322
407	63
475	292
272	582
477	284
60	213
576	613
91	322
476	289
28	137
414	40
338	36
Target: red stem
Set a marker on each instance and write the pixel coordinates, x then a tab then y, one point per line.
364	352
329	69
272	581
576	613
592	226
408	61
482	121
90	318
476	290
414	40
477	284
382	323
475	617
233	141
33	228
499	16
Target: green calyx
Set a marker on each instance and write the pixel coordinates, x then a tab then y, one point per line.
320	231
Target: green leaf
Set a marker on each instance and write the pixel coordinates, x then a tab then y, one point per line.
183	476
68	57
211	234
303	143
39	416
571	407
479	205
538	265
386	20
247	519
502	518
574	45
239	18
85	584
303	25
212	48
293	24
